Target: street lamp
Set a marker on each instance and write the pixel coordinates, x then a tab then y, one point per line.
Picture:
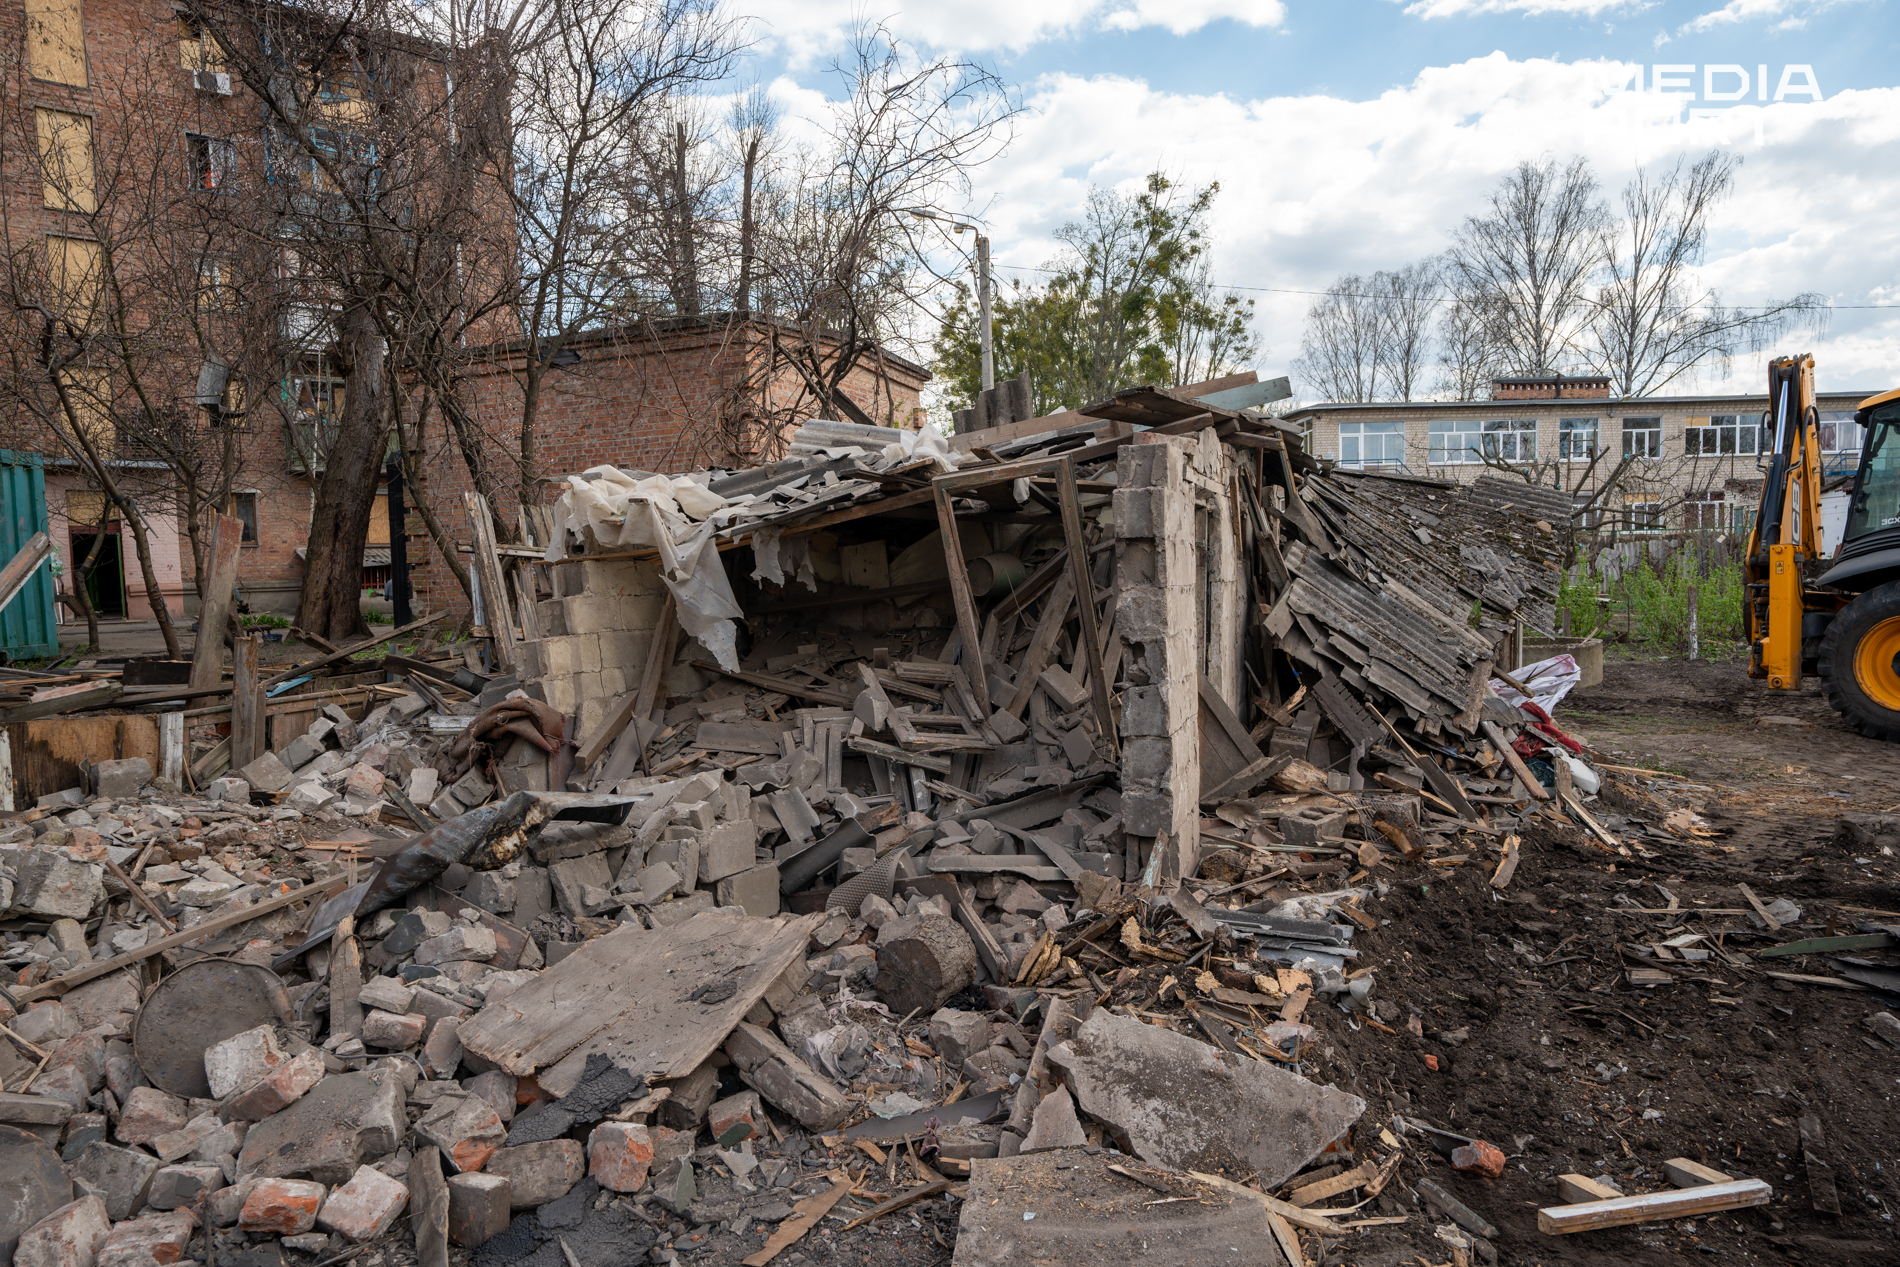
982	287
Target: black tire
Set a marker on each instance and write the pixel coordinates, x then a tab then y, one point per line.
1839	646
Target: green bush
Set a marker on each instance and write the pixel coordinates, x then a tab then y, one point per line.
264	620
1650	604
374	617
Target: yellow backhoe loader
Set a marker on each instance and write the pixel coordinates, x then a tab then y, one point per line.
1842	623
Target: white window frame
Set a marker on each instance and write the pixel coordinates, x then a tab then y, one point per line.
1648	437
1704	511
1353	450
1724	436
1456	442
1571	446
1837	425
1511	439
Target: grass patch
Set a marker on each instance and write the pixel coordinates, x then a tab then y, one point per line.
1647	607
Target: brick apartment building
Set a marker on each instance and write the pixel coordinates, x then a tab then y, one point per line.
1695	457
669	397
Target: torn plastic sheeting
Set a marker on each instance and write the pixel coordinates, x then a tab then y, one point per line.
896	1130
772	555
702	593
1550	680
607	502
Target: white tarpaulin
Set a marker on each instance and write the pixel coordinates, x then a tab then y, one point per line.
1550	680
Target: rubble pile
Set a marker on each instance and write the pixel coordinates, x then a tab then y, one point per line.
813	840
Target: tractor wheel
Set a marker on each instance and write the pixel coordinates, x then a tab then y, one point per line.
1860	663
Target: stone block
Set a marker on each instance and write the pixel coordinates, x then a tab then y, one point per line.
465	1128
497	1086
222	1139
181	1143
121	1176
442	1048
472	789
404	707
32	1184
680	854
148	1113
180	1186
386	994
308	796
1054	1124
243	1060
736	1118
754	891
1153	1087
283	1207
65	798
229	788
727	849
412	930
571	876
275	1091
345	1120
147	1242
462	942
301	751
47	882
619	1155
226	1204
70	1236
83	1130
25	1111
267	774
958	1035
365	1207
391	1032
479	1208
679	910
540	1172
120	780
653	882
492	891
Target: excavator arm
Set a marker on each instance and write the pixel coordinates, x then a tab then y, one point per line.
1786	536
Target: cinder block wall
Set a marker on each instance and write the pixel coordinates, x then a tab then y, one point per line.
599	631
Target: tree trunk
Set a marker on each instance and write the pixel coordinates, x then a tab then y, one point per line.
332	604
154	592
81	599
686	285
745	228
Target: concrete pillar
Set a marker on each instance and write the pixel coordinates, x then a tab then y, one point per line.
1157	575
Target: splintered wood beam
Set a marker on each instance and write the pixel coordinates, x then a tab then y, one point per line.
1084	584
207	655
967	625
1561	1220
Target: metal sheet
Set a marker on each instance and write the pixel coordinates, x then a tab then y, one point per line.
29	625
196	1007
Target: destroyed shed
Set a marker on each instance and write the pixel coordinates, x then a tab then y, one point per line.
970	838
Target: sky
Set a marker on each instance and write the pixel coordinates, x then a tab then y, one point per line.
1354	135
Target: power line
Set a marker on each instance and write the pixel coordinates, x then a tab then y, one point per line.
1347	294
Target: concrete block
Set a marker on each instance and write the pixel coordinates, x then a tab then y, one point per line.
679	910
275	1091
465	1128
407	706
788	1083
121	1176
727	849
392	1032
573	875
267	774
1054	1124
692	1096
462	942
365	1207
497	1086
958	1035
540	1172
386	994
619	1155
479	1208
242	1060
472	789
283	1207
309	796
442	1047
224	1205
32	1184
65	798
70	1236
221	1139
754	891
180	1186
144	1242
492	891
345	1120
412	930
120	780
47	882
148	1113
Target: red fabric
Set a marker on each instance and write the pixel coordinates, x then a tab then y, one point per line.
1527	746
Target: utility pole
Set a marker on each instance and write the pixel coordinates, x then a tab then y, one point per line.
983	307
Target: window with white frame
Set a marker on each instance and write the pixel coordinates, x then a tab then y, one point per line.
1642	437
1456	441
1511	439
1576	439
1706	511
1840	433
1642	512
1725	434
1588	515
1371	444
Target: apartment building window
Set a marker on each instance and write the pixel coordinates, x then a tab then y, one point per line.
1725	434
75	272
197	48
1456	441
1371	444
1642	437
211	159
1576	439
56	42
1705	511
1511	440
243	506
1588	515
65	141
1641	512
1841	434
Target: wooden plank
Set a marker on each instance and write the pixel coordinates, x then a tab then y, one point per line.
1507	867
197	932
1691	1174
922	760
783	686
979	864
1042	644
1313	1192
721	737
965	601
248	741
355	648
524	603
1080	577
1821	1191
50	754
21	567
1308	1219
1516	762
625	996
1580	1190
1760	910
501	621
1561	1220
92	695
207	654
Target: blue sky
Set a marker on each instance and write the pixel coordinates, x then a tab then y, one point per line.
1353	135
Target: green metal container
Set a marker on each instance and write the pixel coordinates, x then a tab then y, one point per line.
29	627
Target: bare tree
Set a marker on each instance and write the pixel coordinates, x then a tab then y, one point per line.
1467	348
1406	299
1528	261
1651	323
1344	340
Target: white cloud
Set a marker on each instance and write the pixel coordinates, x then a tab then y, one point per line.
1469	8
807	29
1315	186
1793	14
